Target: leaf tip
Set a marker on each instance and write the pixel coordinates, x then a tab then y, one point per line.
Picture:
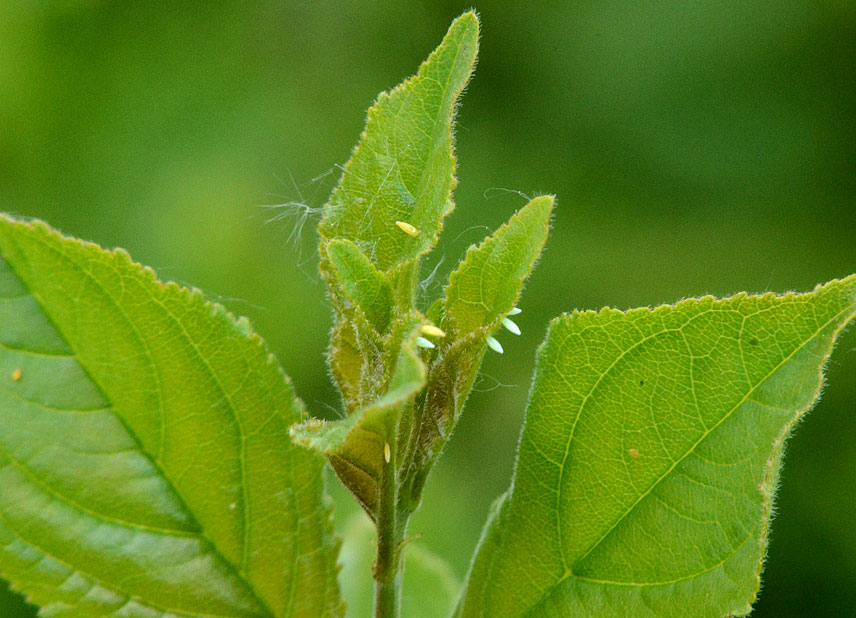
468	21
543	204
464	33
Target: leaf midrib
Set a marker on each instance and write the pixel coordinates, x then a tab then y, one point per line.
162	531
439	120
568	571
106	585
238	573
28	471
427	171
607	582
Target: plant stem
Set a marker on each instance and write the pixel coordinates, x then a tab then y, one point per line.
391	526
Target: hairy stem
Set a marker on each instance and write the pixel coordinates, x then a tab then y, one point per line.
391	526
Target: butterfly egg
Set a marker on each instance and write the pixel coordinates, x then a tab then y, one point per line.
511	326
387	452
494	345
432	331
407	228
422	342
16	375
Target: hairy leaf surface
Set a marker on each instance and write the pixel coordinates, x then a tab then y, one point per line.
487	283
146	469
364	285
403	168
355	445
481	291
650	455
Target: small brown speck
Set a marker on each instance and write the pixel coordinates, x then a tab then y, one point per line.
634	453
641	382
16	375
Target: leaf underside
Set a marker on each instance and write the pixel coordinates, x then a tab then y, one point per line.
650	455
146	469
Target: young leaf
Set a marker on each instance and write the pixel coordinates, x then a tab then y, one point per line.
356	444
356	357
403	169
650	455
483	289
362	283
487	284
145	462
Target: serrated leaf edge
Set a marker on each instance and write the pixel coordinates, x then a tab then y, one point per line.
241	327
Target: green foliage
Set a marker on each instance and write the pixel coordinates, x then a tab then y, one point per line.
403	168
366	287
650	455
357	445
385	213
483	289
145	459
487	283
148	464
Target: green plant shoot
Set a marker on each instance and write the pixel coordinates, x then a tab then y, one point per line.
155	461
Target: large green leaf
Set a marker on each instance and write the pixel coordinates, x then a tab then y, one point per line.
650	455
146	469
403	168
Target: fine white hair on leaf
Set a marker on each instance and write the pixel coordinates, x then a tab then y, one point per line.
424	287
228	301
492	192
483	377
470	229
369	248
295	213
337	412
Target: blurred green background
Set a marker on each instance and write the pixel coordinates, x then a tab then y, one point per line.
695	148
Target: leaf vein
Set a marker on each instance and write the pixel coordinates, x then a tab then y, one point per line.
728	414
